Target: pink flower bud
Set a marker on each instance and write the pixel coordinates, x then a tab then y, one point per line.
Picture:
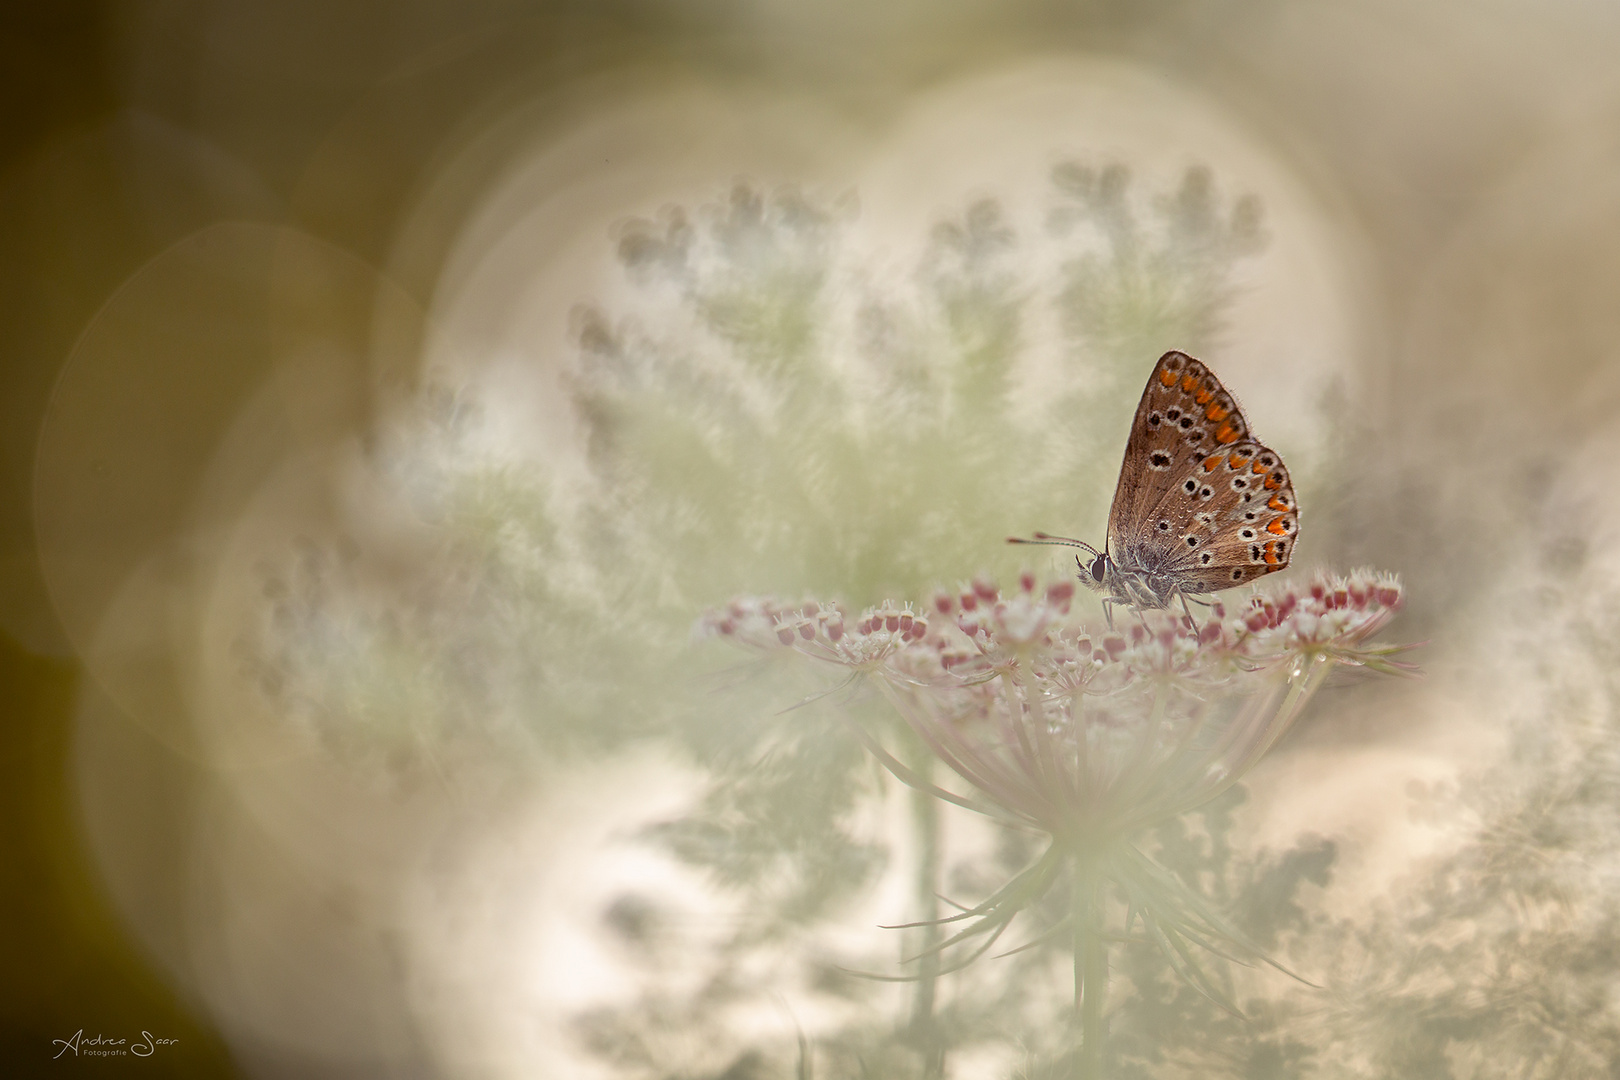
943	603
811	609
835	627
1026	581
784	633
1388	591
807	630
985	589
969	601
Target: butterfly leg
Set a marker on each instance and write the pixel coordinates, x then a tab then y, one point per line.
1190	620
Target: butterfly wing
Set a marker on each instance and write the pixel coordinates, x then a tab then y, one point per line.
1235	519
1185	414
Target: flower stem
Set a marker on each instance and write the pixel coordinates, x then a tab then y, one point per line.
925	827
1090	967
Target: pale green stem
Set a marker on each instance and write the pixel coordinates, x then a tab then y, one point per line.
1090	965
1302	688
1084	782
1142	754
1047	765
925	828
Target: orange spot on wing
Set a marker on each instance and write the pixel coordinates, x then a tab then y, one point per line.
1271	554
1237	460
1273	483
1211	462
1259	468
1277	528
1167	377
1203	395
1277	504
1226	434
1215	412
1188	382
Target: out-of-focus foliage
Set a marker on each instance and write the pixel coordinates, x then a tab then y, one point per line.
771	420
765	417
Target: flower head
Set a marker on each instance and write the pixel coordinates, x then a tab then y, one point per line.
1090	734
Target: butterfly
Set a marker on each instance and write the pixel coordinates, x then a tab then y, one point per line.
1200	506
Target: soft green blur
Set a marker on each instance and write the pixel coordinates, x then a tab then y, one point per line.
388	386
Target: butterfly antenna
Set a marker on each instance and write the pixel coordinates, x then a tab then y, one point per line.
1056	541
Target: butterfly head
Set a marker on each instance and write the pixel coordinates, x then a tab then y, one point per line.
1097	570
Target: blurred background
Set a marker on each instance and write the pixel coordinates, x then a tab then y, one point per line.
388	387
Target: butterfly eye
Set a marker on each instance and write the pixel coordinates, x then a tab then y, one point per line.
1098	565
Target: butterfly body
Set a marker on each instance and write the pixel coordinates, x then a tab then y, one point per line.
1200	505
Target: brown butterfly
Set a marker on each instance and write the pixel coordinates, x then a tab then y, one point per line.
1200	506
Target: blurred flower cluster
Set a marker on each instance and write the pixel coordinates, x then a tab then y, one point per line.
769	414
773	412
